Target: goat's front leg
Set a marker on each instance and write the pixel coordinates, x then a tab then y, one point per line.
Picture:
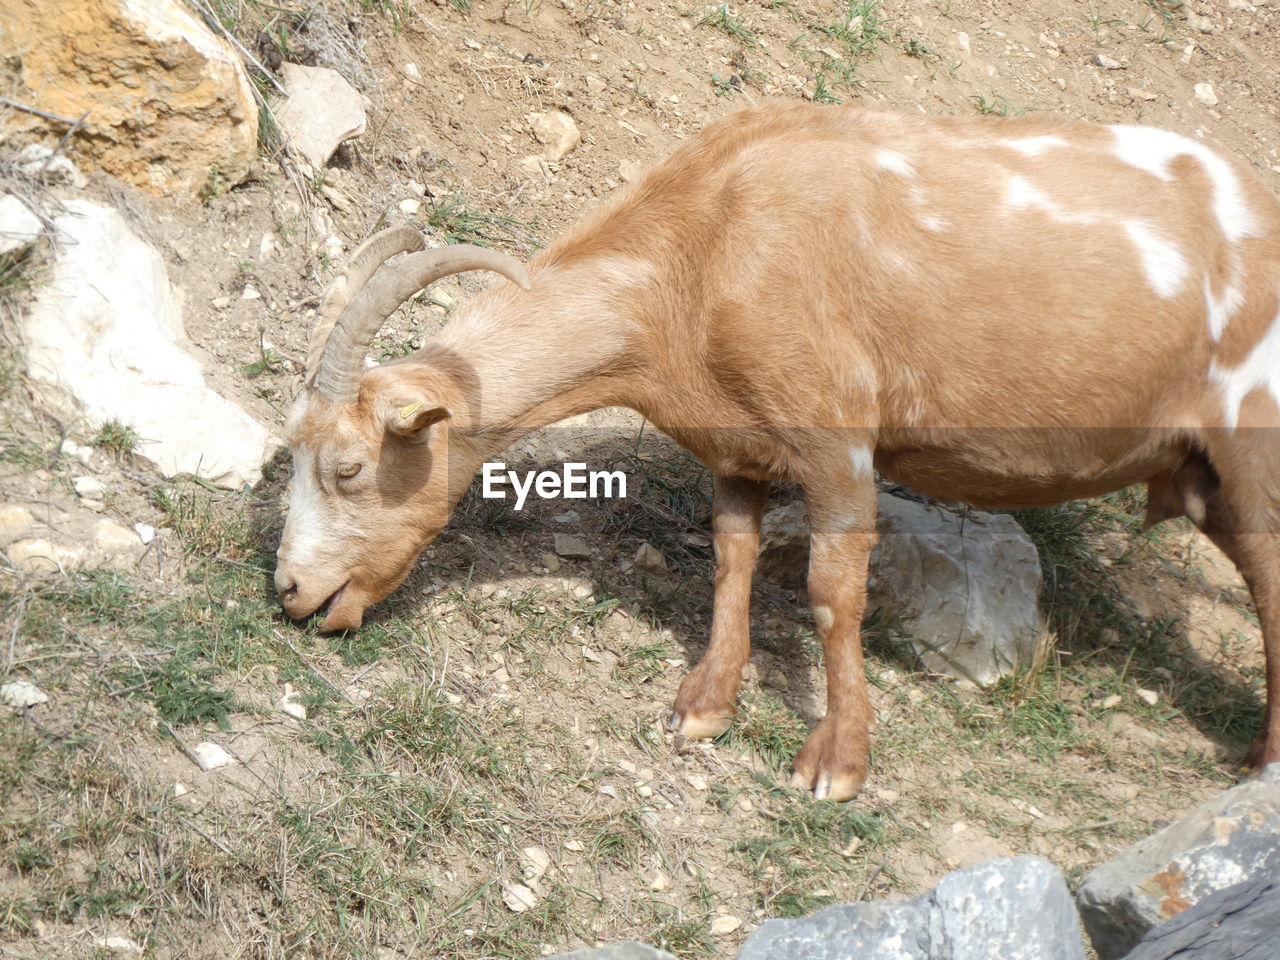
833	761
708	696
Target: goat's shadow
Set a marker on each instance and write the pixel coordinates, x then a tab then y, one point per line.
668	506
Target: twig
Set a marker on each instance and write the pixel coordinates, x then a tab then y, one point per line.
213	21
13	637
48	160
313	668
181	744
39	113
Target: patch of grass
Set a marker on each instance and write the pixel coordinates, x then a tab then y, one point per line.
119	440
769	728
721	18
208	524
833	50
460	224
997	106
268	362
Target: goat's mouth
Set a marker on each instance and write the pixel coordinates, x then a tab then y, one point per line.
345	611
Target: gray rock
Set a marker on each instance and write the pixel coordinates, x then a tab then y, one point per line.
574	548
322	110
968	586
1013	909
1239	923
621	951
1231	838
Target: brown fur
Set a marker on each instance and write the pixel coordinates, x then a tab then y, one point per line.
782	297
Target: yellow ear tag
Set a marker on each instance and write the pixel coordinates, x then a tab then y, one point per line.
407	411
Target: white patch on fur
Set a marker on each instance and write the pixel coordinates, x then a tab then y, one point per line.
305	528
1220	310
1034	146
1166	268
1153	150
860	457
893	162
1162	262
1260	370
823	618
933	224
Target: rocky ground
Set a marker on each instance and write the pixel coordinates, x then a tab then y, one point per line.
481	771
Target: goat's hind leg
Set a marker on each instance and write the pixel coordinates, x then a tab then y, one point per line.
707	699
1242	518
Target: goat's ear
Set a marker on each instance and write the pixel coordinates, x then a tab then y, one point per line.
412	419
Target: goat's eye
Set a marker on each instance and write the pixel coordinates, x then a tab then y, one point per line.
349	470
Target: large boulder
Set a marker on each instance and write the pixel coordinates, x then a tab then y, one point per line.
169	106
1014	909
1231	838
1238	923
967	585
106	328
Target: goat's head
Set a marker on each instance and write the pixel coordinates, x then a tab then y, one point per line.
373	480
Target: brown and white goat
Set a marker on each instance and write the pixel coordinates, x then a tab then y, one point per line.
1005	312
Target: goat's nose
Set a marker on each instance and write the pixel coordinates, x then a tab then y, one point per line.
286	586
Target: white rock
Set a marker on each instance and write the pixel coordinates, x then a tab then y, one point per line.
118	946
89	487
1111	702
40	555
21	693
321	111
409	207
268	246
36	161
417	189
146	533
411	71
180	790
1108	63
249	293
576	846
962	41
1149	697
220	303
19	227
518	897
1204	93
534	863
106	327
698	783
210	756
723	926
333	248
15	522
76	451
113	538
660	881
289	705
556	131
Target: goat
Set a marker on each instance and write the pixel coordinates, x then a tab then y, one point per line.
1008	312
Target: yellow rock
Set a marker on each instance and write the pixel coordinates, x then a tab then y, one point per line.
169	106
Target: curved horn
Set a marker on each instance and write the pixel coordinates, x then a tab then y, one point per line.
360	266
342	363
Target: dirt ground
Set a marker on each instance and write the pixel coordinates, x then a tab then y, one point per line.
506	700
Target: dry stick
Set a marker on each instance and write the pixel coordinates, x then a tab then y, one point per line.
313	668
39	113
48	160
181	744
214	21
13	637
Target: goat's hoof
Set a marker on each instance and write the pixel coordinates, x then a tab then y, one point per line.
828	786
700	726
